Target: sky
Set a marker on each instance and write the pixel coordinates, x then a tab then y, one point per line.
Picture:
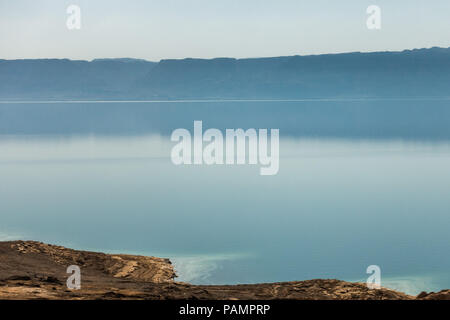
163	29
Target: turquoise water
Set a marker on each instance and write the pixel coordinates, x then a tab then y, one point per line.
352	191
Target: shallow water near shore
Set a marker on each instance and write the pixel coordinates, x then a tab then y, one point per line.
360	183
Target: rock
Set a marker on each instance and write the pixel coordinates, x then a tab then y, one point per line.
121	276
441	295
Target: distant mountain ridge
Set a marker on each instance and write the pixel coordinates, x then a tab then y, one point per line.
63	78
409	73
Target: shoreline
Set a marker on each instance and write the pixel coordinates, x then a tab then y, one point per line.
35	270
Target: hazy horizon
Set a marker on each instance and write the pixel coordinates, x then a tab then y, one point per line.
207	29
226	57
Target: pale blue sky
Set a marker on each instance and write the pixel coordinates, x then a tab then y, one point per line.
158	29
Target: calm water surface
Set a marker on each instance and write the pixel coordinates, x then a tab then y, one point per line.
359	184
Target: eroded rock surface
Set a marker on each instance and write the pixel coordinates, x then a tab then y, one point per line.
35	270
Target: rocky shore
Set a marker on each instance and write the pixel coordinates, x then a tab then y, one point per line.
35	270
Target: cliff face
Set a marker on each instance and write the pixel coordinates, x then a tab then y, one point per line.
410	73
34	270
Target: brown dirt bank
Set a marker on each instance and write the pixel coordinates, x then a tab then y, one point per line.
35	270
